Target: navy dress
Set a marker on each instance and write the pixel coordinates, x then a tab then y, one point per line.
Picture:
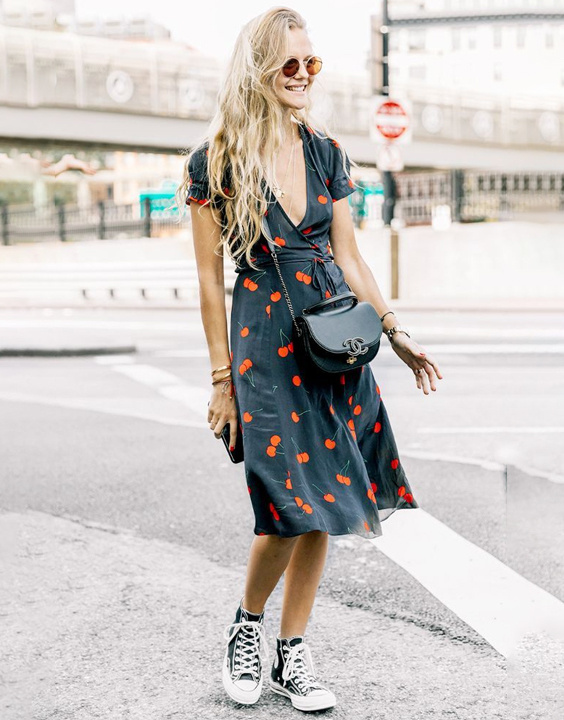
319	453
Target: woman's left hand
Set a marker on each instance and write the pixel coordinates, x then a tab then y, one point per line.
424	368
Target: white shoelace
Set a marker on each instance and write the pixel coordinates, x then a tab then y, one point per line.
300	662
252	634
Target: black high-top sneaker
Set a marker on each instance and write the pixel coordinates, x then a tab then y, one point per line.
246	648
293	675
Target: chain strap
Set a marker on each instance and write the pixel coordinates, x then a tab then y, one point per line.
289	302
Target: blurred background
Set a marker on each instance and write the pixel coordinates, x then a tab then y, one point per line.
453	111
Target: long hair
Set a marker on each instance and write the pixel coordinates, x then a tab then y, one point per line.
248	120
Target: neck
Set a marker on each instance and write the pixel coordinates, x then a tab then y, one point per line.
290	129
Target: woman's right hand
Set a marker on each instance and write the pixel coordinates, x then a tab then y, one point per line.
222	410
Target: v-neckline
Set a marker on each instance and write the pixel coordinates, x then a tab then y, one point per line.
292	223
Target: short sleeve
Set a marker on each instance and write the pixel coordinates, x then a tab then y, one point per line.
340	183
198	182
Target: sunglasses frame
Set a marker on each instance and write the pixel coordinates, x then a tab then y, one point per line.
290	63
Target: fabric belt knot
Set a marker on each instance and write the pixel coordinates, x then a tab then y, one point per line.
321	278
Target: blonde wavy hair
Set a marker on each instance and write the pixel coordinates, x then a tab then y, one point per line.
248	120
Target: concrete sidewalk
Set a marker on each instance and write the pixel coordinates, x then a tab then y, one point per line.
98	622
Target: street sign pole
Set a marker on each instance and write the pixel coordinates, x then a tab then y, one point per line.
387	177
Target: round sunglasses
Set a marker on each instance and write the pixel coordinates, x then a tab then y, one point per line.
312	64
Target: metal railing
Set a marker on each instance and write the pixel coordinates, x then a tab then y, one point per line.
71	223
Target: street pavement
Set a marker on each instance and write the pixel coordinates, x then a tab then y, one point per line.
125	529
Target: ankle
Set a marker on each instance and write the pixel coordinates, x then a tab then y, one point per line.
254	609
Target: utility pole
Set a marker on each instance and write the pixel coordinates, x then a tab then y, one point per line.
381	86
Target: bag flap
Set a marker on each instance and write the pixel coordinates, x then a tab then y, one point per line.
330	328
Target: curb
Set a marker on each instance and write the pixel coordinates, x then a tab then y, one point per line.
67	352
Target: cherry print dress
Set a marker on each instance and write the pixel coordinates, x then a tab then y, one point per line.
319	454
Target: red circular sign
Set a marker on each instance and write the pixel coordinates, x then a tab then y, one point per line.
391	120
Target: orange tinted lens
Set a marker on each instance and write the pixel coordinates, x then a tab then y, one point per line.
313	65
290	68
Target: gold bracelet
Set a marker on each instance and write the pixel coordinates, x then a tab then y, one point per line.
226	378
223	367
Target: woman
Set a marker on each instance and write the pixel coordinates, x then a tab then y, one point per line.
320	457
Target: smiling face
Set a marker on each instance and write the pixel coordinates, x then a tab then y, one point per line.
299	47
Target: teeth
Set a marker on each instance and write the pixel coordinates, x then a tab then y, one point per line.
300	88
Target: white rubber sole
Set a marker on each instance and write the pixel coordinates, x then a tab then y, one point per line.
308	704
244	697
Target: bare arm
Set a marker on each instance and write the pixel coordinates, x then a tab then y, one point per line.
206	235
361	280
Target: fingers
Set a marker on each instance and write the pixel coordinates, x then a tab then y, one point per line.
218	422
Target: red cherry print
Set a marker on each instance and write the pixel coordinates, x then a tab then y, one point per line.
288	484
401	490
291	347
370	494
350	423
283	351
350	399
328	295
275	296
331	409
271	451
377	427
307	231
299	501
322	199
305	457
367	526
262	533
297	380
249	489
334	200
295	416
299	275
307	508
244	331
263	246
408	497
273	511
242	369
330	443
346	480
267	308
342	379
275	439
357	409
247	417
339	477
279	241
327	182
394	463
378	389
246	281
374	486
351	184
329	497
299	458
335	143
307	279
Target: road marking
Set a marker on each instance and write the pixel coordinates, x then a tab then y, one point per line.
529	430
94	405
501	605
424	455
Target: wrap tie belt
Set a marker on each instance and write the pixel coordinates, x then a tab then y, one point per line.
313	264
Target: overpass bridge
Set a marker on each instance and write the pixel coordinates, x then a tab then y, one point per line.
63	89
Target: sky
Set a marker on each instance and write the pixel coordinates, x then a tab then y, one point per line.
341	38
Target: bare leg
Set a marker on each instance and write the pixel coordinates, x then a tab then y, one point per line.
301	580
268	558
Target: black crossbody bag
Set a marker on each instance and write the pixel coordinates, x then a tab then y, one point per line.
329	338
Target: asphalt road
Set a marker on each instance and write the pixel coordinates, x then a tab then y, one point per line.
119	445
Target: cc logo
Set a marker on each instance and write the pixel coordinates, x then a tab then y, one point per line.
355	346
